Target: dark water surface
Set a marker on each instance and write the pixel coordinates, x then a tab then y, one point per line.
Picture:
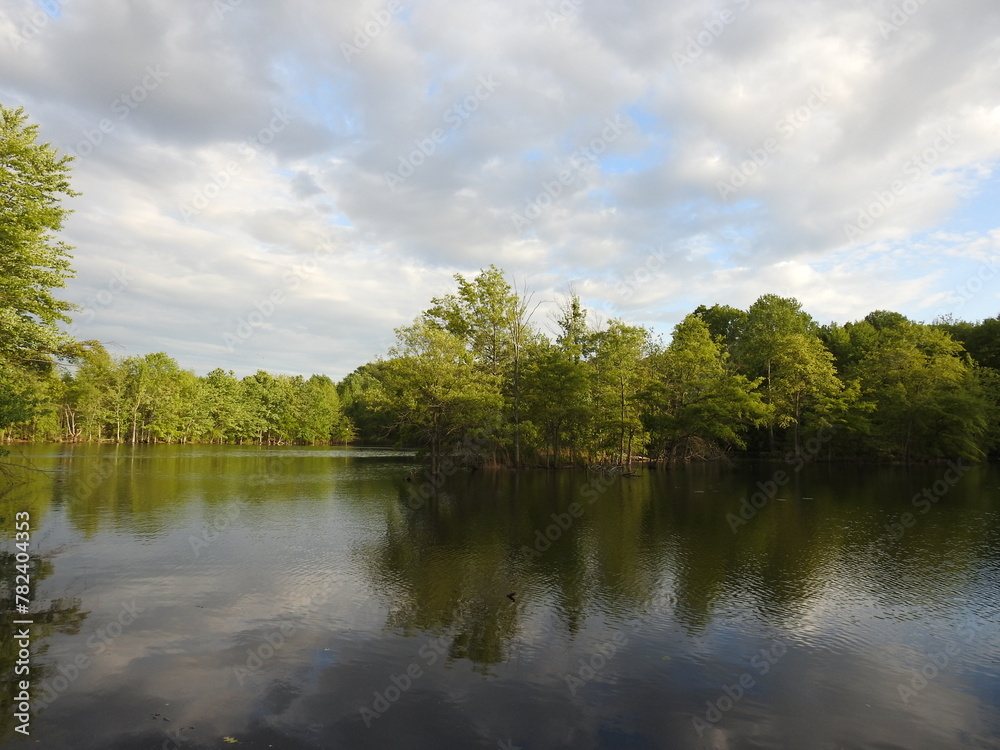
293	598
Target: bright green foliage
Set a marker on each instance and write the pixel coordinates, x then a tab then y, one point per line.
472	376
225	408
480	315
150	399
620	375
988	381
804	387
491	320
558	404
778	343
697	406
981	340
33	262
725	323
556	399
361	397
437	394
762	334
929	401
94	408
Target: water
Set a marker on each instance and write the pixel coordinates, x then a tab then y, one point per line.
287	598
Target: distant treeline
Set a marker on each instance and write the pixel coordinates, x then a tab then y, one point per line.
152	400
473	376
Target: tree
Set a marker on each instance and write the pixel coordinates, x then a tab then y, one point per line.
805	386
318	413
620	376
726	323
697	406
33	262
930	402
981	340
492	320
556	396
775	332
437	394
361	395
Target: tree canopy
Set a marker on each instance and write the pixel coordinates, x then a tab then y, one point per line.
34	179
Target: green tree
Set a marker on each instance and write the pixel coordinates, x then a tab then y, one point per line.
34	179
361	397
697	406
726	323
620	375
775	333
929	402
438	396
556	397
981	340
493	321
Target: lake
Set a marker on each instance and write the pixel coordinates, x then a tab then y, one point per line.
296	598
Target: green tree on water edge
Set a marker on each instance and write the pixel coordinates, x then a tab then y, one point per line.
34	179
699	406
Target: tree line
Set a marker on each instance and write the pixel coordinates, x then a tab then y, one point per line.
474	372
151	399
474	376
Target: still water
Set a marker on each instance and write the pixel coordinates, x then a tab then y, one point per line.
294	598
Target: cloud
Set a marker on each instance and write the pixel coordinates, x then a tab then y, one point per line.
220	143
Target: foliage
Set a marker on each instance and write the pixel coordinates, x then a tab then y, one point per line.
33	262
698	406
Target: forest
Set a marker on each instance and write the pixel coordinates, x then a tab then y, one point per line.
475	377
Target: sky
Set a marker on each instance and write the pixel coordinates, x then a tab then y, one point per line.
279	186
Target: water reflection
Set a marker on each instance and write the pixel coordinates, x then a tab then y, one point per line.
279	592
